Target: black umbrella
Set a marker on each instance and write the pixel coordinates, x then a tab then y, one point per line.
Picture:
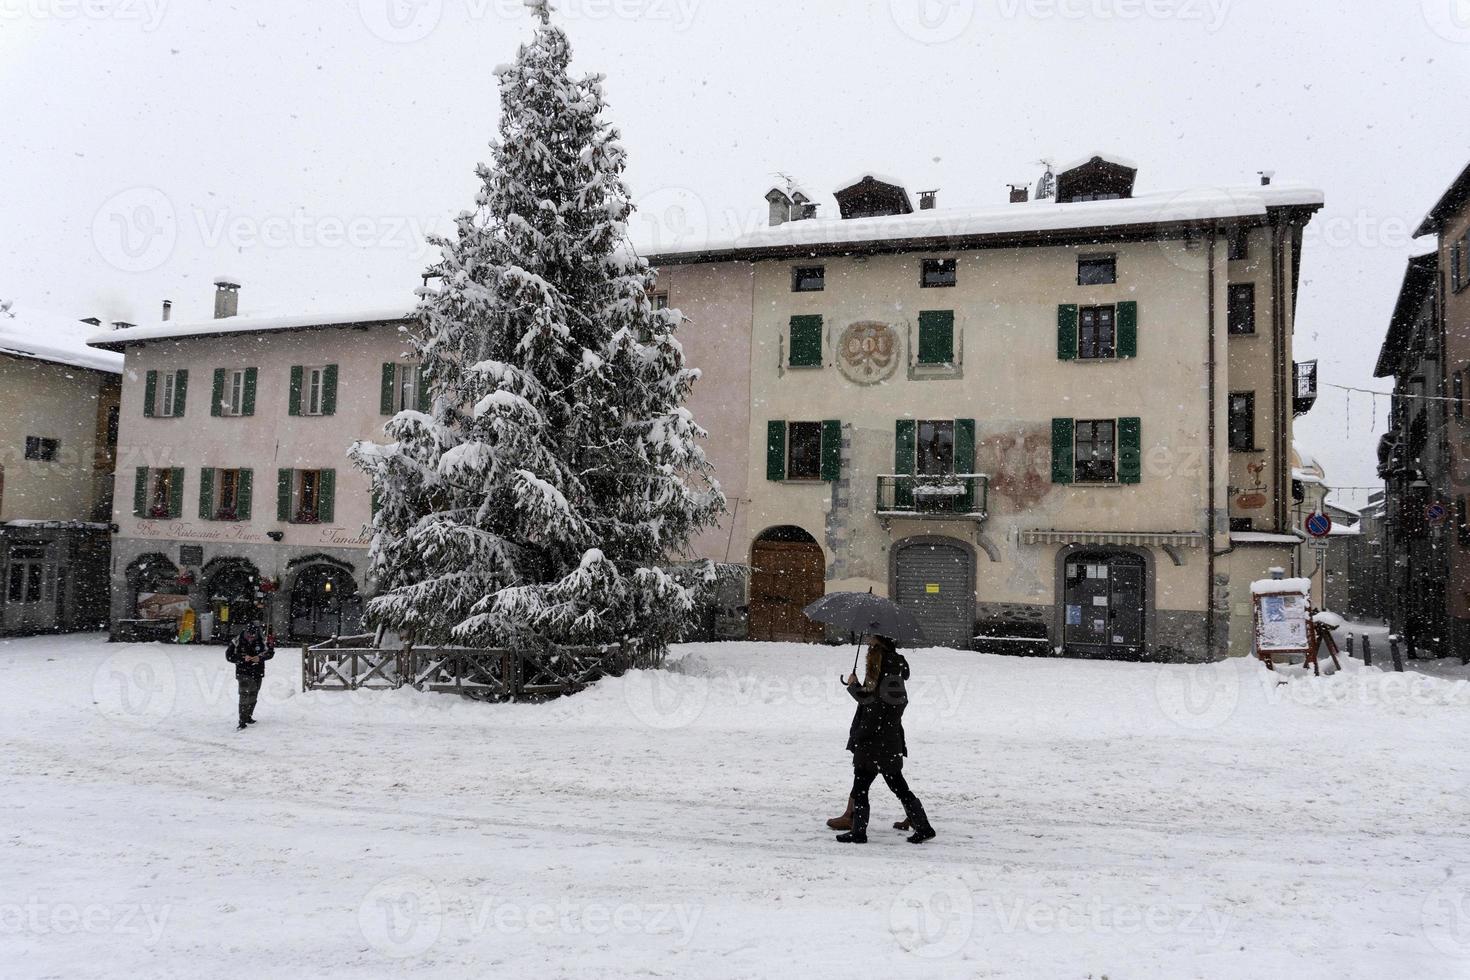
866	615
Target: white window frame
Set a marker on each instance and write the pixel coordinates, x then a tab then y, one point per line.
163	405
313	390
233	403
406	388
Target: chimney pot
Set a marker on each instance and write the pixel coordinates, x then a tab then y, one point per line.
1020	193
226	298
168	309
1266	177
928	200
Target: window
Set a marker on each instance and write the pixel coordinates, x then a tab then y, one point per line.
806	341
808	279
164	393
1097	270
1242	423
1097	334
43	449
234	397
938	273
224	495
1238	247
936	337
804	451
1242	524
660	301
306	496
401	389
1096	451
934	449
27	573
161	494
1242	313
315	391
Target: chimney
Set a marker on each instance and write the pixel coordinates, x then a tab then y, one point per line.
780	206
802	207
168	309
122	324
1266	177
1020	193
928	199
226	298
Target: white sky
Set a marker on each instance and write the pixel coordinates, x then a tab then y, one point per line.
304	147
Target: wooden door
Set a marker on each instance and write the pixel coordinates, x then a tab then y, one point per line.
787	577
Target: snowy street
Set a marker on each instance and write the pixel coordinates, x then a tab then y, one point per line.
1095	819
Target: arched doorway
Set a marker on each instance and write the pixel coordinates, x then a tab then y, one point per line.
934	578
232	589
1104	611
153	588
788	573
325	602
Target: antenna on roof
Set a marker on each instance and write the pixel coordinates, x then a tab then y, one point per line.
1046	187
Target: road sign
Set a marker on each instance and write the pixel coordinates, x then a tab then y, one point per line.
1436	514
1319	525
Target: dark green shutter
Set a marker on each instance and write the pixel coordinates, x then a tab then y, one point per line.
1067	332
905	440
293	407
831	449
936	337
1130	450
140	490
806	341
423	390
242	495
326	510
247	401
176	493
775	450
150	392
206	494
1128	329
1063	451
216	400
386	397
283	495
329	390
964	458
181	389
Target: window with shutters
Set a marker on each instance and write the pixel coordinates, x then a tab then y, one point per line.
938	273
406	388
1242	421
1242	309
1095	451
808	279
1097	270
1097	335
41	449
161	493
233	400
306	497
806	342
314	389
804	451
225	495
934	449
167	393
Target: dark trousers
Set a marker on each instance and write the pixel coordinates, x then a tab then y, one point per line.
249	691
863	774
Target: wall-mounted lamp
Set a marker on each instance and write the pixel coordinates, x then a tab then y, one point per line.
275	535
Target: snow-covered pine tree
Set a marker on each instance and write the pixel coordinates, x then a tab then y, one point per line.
557	473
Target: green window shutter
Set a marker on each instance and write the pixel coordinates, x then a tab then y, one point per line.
423	390
247	401
775	450
293	407
1130	450
181	389
831	449
329	390
216	400
1063	452
283	495
964	458
806	341
326	509
176	493
206	494
1067	332
242	496
140	490
386	398
936	337
905	441
1128	329
150	392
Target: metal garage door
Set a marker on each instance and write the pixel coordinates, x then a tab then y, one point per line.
934	580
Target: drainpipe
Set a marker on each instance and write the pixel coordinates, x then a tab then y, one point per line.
1210	368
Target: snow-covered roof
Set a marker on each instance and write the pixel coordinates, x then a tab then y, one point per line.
1306	476
1112	158
1308	461
176	329
1282	586
43	336
1045	215
1264	537
1344	531
881	178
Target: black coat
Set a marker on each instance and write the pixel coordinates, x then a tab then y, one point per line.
876	738
240	648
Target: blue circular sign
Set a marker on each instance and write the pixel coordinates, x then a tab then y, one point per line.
1319	525
1436	514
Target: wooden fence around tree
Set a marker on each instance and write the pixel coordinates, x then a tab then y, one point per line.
351	664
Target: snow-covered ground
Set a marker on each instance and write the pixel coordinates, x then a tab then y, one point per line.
1094	820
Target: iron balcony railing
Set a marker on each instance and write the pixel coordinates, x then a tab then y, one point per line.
961	495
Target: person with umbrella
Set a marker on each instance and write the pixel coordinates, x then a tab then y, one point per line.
876	738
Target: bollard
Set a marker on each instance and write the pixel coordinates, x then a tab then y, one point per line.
1367	651
1393	649
1350	644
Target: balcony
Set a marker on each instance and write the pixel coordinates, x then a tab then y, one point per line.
961	497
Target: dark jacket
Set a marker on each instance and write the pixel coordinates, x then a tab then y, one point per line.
876	738
240	648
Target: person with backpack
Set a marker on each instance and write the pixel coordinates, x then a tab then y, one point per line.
248	652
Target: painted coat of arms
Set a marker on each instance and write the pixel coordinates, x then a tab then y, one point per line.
867	353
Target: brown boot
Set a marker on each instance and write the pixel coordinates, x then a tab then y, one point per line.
843	822
902	825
